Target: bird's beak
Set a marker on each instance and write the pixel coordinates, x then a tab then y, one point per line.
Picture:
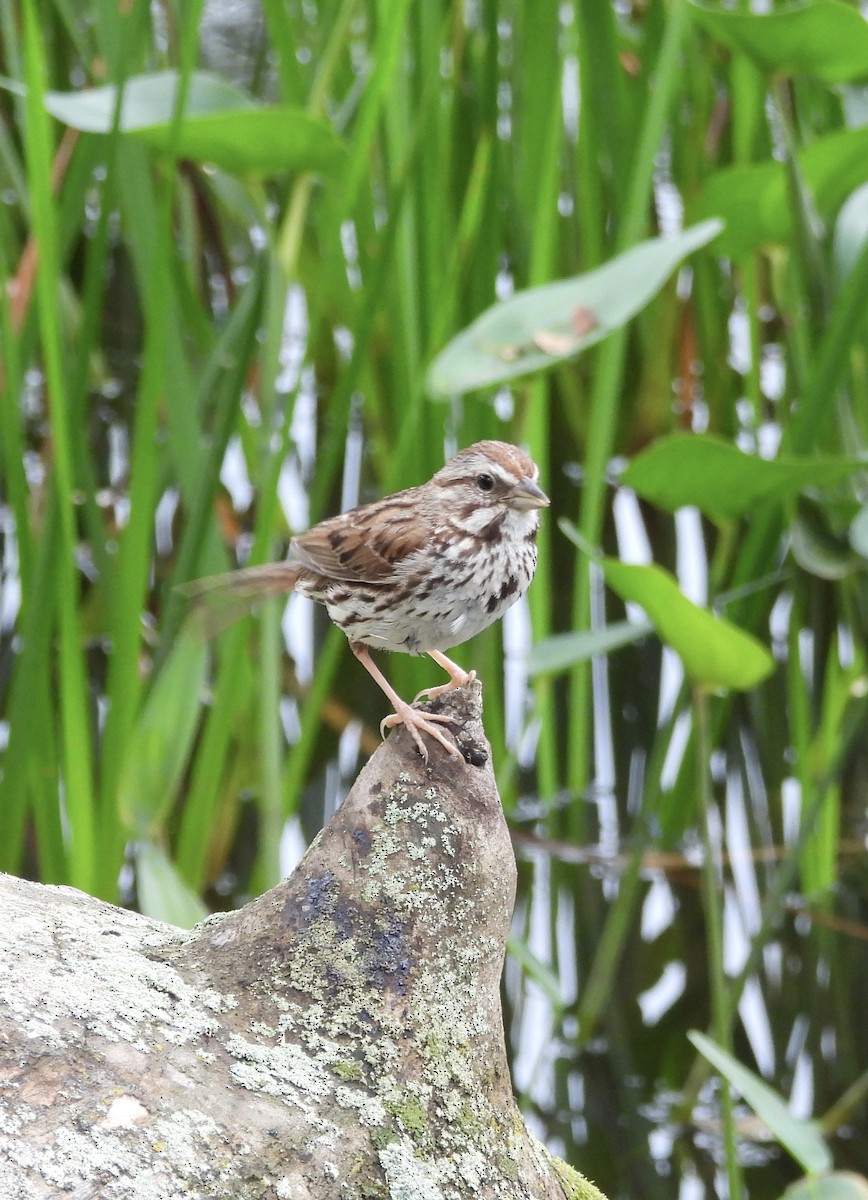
527	495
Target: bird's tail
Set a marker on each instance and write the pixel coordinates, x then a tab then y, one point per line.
220	600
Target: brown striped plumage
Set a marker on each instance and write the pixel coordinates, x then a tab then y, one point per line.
419	571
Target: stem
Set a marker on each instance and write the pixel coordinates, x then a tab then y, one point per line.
713	888
606	395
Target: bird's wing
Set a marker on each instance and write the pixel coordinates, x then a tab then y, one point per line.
363	547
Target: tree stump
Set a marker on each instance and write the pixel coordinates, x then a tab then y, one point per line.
341	1037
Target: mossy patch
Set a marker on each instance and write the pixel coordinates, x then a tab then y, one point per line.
412	1115
349	1070
575	1186
380	1137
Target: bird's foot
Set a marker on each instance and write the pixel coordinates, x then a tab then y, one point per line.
418	723
455	681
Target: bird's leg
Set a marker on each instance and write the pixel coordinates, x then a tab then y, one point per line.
417	723
457	677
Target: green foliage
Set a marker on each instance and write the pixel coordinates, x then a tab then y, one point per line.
723	481
221	125
162	893
801	1138
157	755
539	327
837	1185
715	654
825	39
752	199
563	650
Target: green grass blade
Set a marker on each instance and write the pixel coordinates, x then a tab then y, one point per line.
800	1138
74	699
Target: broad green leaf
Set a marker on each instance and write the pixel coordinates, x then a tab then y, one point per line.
161	892
721	480
221	125
148	101
800	1138
564	650
824	39
818	549
753	200
548	324
839	1185
714	652
157	755
858	533
851	231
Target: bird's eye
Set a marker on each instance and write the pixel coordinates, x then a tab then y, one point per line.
484	482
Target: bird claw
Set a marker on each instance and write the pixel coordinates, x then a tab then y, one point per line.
418	723
441	689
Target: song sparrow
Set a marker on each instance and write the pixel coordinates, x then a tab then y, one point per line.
419	572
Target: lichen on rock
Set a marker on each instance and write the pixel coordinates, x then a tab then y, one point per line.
340	1037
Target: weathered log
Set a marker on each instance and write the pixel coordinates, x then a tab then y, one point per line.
339	1037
